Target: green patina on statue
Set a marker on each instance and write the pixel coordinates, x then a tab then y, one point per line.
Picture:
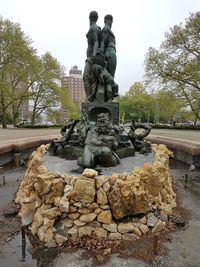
100	144
101	61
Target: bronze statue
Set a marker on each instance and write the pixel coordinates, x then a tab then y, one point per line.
100	144
101	61
108	45
106	88
93	39
66	132
100	139
138	139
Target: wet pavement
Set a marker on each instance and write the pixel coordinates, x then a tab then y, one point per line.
182	249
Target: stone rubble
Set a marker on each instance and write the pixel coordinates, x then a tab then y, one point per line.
56	205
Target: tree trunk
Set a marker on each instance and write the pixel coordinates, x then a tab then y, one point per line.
4	125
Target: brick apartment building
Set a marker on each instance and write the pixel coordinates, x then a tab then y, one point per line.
74	85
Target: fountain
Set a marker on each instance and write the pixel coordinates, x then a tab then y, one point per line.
59	206
100	139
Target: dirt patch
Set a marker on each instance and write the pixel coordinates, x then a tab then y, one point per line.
9	227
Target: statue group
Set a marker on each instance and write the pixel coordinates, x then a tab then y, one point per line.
101	61
100	139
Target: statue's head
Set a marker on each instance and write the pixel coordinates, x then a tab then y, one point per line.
93	16
108	19
103	123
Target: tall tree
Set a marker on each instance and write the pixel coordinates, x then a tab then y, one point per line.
46	91
136	104
16	55
176	65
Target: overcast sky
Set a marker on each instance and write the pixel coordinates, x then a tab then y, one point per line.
60	26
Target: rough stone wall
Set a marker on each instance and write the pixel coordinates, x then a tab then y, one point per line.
57	205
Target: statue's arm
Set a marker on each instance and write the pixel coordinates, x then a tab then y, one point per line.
96	42
93	140
104	37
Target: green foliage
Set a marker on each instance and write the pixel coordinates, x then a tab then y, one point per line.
137	104
176	65
24	76
17	58
142	106
45	92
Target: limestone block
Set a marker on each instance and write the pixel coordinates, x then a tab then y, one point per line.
84	190
92	206
97	211
56	190
125	228
48	223
79	223
66	223
73	216
105	217
72	179
89	173
85	230
114	236
143	220
64	205
51	213
72	208
60	239
38	221
48	235
112	227
84	210
27	213
100	232
167	208
100	180
159	226
42	186
68	188
151	219
106	187
101	197
78	204
136	230
88	217
114	177
125	201
116	203
57	201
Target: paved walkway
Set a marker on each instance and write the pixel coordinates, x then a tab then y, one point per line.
12	134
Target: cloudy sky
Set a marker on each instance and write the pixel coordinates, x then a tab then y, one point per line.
60	26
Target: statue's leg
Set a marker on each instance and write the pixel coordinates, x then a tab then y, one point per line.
109	93
100	94
111	59
107	158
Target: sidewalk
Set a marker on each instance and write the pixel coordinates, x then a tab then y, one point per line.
11	134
